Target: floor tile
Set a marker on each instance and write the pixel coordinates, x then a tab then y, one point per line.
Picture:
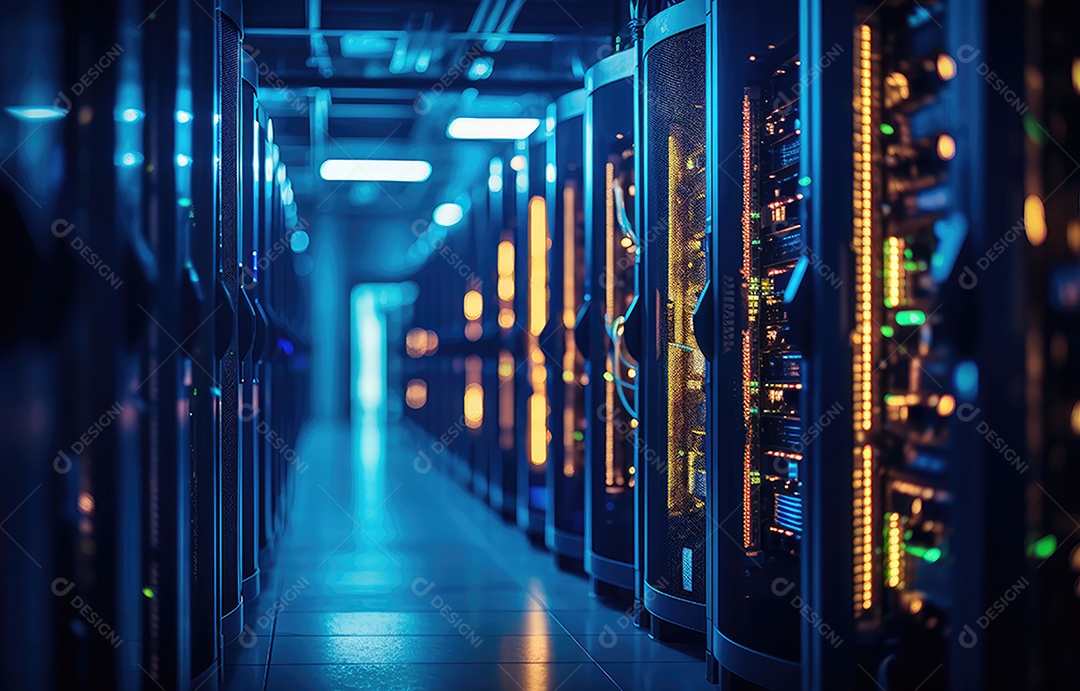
632	648
469	647
412	623
474	677
669	676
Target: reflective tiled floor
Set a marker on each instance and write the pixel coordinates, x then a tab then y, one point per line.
391	578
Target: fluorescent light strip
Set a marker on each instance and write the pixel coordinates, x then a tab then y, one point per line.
364	170
491	128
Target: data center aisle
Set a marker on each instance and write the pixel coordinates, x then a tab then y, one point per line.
409	582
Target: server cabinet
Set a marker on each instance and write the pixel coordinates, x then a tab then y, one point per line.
1047	106
502	219
250	168
612	243
895	159
674	276
230	305
756	494
533	404
563	173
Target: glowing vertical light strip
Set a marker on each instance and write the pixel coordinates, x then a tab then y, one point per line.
674	244
569	319
371	379
609	312
538	246
894	548
894	272
474	392
538	298
862	356
506	400
505	285
750	281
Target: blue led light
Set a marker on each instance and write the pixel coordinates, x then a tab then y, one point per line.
36	113
184	117
966	379
448	214
299	241
183	160
131	115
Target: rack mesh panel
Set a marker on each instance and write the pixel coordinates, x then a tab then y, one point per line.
569	497
614	242
675	70
229	52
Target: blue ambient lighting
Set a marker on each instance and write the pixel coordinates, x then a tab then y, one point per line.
36	113
448	214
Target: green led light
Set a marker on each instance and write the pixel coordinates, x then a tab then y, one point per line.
886	128
184	201
578	436
1033	129
608	377
148	592
887	331
804	181
910	317
929	555
1043	547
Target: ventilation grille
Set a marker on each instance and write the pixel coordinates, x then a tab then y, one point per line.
675	70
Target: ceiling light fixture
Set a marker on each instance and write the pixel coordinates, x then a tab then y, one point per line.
337	169
491	128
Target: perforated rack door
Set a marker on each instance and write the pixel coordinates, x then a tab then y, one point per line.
675	230
228	373
612	284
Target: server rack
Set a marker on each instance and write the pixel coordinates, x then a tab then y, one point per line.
895	160
756	492
1048	100
250	171
533	303
229	18
482	382
611	247
674	277
565	519
502	220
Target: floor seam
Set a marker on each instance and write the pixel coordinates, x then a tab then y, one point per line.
499	558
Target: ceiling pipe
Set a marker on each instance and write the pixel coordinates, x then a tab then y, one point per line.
320	53
452	36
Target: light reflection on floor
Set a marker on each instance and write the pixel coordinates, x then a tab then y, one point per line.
393	579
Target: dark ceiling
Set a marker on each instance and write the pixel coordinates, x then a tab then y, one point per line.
360	79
